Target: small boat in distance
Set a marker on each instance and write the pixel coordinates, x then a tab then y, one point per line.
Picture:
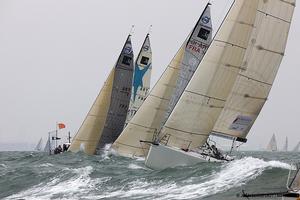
39	145
272	145
286	145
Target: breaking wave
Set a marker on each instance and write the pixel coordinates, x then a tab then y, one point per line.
96	177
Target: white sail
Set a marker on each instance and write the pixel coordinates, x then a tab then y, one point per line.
296	148
89	133
260	65
110	107
196	112
272	146
286	144
38	147
150	117
141	79
47	147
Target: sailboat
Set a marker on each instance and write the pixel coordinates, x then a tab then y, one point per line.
296	148
227	91
149	119
286	144
105	120
272	145
184	137
47	147
38	147
141	79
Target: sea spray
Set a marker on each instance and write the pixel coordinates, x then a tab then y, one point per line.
78	176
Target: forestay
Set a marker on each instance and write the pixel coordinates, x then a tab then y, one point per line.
201	103
260	65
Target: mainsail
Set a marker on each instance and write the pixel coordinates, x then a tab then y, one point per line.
47	147
108	111
150	117
272	146
39	145
195	114
285	147
141	79
258	71
120	97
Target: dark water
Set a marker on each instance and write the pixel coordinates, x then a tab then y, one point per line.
32	175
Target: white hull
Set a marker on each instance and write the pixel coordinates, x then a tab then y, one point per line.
161	157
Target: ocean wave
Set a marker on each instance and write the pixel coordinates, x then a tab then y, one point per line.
76	186
232	174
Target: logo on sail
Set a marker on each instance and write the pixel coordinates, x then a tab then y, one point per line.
205	19
127	49
241	123
145	48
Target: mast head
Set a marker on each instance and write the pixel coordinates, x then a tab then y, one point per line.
131	30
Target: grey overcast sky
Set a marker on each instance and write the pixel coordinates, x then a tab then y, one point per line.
56	54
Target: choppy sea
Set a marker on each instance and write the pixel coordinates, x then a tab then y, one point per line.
34	175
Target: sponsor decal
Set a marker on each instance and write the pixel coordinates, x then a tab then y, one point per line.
197	47
205	19
146	48
241	123
127	49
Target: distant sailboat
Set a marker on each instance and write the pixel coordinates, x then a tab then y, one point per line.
141	79
47	147
296	148
38	147
286	144
105	120
272	145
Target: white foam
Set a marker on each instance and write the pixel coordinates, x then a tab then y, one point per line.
46	165
135	166
77	186
233	174
3	165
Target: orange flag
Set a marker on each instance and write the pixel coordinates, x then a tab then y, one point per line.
61	125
